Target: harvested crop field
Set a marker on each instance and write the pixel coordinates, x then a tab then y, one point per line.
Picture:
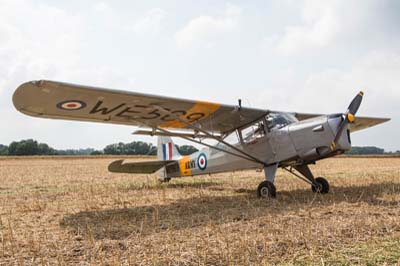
72	211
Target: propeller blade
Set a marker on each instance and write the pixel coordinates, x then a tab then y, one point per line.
355	104
349	117
342	126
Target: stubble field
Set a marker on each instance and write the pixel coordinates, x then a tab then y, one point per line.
62	211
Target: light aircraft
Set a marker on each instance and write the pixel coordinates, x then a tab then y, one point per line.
265	139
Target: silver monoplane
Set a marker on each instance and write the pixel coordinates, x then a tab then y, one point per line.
265	139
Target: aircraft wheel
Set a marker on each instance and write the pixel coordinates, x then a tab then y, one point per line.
321	185
266	189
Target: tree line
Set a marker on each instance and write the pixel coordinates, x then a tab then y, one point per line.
33	147
369	150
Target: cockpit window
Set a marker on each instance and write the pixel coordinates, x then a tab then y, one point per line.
253	132
257	130
279	120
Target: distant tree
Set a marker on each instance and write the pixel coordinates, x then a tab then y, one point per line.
132	148
3	149
86	151
153	150
186	149
96	152
24	147
44	149
114	149
365	150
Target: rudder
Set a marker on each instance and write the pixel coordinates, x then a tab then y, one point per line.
166	149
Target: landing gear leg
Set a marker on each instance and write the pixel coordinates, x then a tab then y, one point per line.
318	185
267	189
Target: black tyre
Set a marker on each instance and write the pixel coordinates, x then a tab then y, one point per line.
320	185
266	190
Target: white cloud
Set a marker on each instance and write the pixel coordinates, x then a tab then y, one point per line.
320	24
205	30
46	39
101	7
377	74
151	23
339	22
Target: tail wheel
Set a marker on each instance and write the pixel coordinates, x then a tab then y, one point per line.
266	190
320	185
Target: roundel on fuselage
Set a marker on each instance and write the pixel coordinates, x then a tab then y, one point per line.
202	161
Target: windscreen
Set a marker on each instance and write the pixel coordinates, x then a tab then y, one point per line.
279	120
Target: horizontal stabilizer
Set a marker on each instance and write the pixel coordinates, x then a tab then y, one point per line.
138	167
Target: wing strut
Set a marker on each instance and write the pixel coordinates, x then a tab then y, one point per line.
244	155
210	146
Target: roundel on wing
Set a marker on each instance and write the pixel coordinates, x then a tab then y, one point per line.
202	161
71	105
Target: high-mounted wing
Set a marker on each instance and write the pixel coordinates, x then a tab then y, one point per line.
366	122
360	122
50	99
138	167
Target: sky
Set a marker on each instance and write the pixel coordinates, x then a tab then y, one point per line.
290	55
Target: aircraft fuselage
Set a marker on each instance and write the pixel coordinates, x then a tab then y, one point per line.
298	142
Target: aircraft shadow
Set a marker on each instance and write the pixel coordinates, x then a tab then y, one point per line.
201	211
157	185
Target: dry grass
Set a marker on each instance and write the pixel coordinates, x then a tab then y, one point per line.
69	211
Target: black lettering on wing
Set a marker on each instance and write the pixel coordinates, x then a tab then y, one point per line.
148	112
104	110
152	115
194	117
126	113
177	113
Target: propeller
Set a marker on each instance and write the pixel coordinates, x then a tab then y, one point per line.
349	117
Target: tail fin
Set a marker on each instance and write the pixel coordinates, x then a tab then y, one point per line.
166	149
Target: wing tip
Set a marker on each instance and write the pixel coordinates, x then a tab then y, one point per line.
383	119
19	91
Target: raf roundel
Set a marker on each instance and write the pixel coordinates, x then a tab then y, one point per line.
202	161
71	105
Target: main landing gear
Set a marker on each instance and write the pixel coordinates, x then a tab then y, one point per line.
267	189
320	185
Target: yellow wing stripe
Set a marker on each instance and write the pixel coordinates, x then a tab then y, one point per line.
183	163
205	108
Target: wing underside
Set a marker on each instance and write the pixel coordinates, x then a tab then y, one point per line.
57	100
49	99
